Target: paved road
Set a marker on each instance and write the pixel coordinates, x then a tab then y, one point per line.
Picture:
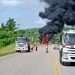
65	70
34	63
68	70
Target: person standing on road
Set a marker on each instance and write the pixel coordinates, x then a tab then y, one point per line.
45	41
36	47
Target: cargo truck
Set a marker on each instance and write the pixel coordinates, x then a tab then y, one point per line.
22	44
67	47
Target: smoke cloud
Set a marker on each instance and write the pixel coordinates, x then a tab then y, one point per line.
59	12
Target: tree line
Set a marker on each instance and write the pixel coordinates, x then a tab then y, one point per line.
9	32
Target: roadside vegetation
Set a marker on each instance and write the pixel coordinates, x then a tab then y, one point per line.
9	32
7	50
56	38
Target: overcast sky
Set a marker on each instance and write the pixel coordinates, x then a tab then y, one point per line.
25	12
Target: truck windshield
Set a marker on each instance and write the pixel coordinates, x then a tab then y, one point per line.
69	38
21	40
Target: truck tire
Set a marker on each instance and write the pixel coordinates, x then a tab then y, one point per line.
61	62
64	63
60	54
61	59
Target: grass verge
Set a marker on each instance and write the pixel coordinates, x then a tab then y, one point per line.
7	50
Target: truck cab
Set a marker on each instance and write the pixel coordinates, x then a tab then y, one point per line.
22	44
67	49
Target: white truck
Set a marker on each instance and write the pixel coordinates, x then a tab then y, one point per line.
22	44
67	48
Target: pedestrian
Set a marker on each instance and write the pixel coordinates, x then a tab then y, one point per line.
32	47
45	42
46	48
36	47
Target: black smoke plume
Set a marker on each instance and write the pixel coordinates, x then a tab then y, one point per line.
59	12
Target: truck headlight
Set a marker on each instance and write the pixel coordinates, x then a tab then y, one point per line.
65	55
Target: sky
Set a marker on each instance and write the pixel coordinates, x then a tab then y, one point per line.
25	12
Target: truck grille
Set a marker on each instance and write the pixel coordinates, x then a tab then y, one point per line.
72	53
20	45
73	58
72	50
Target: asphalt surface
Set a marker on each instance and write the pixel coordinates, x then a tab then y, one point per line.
35	63
68	70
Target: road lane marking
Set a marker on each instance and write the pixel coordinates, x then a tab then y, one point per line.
56	68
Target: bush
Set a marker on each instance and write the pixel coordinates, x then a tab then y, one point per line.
6	41
9	37
56	39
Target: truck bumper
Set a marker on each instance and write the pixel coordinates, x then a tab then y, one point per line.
70	58
68	55
21	49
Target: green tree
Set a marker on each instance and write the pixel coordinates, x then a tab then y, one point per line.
11	24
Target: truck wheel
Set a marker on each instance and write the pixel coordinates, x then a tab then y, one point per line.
64	63
61	62
60	56
28	48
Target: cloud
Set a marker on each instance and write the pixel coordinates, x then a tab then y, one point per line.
18	2
10	2
40	22
26	3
